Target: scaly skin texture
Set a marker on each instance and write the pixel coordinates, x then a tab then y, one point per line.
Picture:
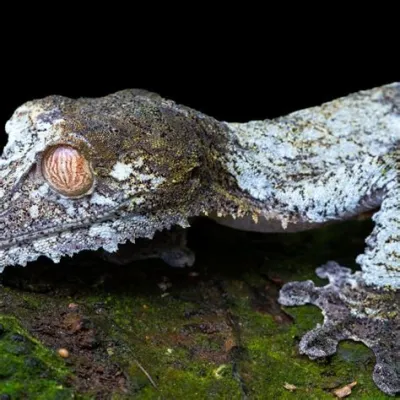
157	164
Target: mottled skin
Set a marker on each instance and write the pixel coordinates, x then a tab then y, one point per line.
158	164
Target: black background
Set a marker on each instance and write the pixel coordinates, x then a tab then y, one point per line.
232	83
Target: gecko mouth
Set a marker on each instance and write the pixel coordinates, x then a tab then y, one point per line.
27	237
56	241
115	228
104	226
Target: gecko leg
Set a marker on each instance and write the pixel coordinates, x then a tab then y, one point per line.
364	305
169	246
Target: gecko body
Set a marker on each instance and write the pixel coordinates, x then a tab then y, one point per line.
83	174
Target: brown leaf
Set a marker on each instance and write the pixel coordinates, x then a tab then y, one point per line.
345	390
290	387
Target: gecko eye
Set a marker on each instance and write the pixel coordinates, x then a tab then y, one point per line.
67	171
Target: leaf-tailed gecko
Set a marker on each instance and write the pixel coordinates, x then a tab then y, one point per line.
90	173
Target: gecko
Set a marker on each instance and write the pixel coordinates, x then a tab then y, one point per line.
95	173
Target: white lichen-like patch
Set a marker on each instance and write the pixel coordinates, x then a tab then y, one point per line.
138	162
69	206
18	129
101	230
16	196
101	200
121	171
34	211
42	191
380	262
26	139
27	135
264	154
135	171
45	243
154	180
137	201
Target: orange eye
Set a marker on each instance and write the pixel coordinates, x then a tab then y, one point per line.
67	171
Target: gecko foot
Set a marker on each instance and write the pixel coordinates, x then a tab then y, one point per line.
169	246
354	311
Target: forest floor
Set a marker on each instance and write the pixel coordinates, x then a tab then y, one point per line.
149	331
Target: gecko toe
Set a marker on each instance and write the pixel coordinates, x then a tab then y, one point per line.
386	377
298	293
321	341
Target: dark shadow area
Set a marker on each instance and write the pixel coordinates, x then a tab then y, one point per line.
221	253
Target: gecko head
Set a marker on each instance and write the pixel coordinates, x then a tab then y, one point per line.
89	173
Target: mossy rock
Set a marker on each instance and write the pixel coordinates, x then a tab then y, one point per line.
27	368
148	331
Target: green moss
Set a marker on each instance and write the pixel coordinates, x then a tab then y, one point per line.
221	335
177	384
182	364
27	369
273	360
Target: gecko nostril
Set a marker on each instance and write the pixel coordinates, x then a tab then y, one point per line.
67	171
